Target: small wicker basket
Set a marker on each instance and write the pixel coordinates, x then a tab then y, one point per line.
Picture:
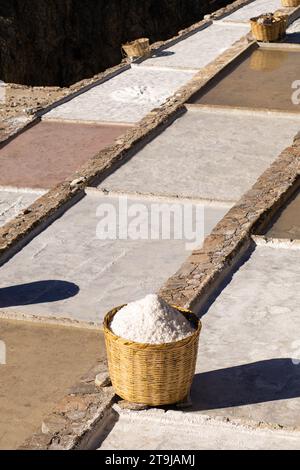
138	48
266	32
290	3
152	374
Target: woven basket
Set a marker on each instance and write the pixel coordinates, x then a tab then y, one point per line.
137	48
152	374
266	32
290	3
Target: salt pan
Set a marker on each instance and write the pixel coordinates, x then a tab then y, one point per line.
151	320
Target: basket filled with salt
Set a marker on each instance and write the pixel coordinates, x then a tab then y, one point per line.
138	48
267	27
152	351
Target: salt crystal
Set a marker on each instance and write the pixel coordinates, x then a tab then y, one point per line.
152	321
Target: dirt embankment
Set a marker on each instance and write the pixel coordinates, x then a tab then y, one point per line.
59	42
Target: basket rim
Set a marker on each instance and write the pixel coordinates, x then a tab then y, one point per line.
131	43
107	330
271	25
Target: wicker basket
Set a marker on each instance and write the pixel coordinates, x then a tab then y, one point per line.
266	32
137	48
290	3
152	374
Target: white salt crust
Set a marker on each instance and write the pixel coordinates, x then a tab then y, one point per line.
152	321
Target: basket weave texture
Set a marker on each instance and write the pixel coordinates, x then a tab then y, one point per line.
138	48
283	25
290	3
266	32
152	374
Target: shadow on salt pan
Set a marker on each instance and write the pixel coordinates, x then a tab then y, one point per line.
163	54
293	38
257	382
37	293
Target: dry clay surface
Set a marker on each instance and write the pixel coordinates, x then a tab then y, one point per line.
49	152
42	363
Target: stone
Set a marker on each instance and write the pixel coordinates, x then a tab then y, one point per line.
103	380
126	405
54	424
76	415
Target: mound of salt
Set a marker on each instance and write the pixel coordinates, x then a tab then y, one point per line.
151	320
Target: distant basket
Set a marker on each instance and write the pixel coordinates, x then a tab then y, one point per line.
290	3
266	32
152	374
138	48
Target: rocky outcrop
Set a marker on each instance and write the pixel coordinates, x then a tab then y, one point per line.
58	42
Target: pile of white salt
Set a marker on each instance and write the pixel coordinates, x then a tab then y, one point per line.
151	320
